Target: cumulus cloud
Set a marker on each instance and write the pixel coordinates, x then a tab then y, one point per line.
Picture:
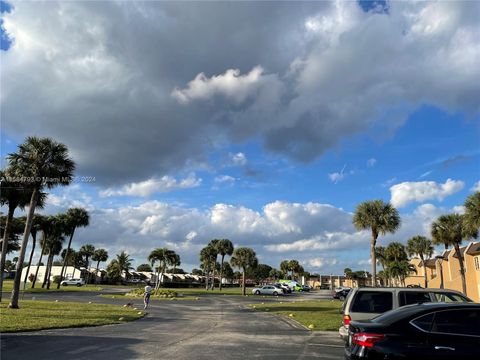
224	179
152	186
318	263
404	193
137	90
475	187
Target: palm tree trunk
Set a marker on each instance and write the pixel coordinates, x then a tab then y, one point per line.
96	272
374	260
424	271
65	260
243	282
221	274
88	271
207	273
39	260
50	264
47	269
18	275
34	238
462	268
213	278
11	211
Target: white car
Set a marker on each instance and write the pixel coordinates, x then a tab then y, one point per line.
268	290
76	282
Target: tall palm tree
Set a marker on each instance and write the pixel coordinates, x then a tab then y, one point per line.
471	218
380	218
284	267
224	247
381	258
14	194
208	256
76	217
164	257
100	255
46	225
214	245
175	261
87	252
396	257
449	231
53	245
36	227
421	246
124	262
243	258
294	267
47	164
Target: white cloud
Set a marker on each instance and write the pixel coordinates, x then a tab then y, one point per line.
318	263
365	262
371	162
407	192
337	176
222	179
231	84
425	174
475	187
238	159
152	186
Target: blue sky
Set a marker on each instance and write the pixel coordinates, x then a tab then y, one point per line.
275	155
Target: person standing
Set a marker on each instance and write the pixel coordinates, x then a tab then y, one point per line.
146	296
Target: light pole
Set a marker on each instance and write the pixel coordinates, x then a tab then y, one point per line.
440	261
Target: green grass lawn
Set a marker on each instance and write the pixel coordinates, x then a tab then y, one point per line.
8	286
37	315
322	314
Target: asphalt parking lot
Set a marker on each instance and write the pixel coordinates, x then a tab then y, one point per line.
214	327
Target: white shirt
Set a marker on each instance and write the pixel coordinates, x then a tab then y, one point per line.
148	289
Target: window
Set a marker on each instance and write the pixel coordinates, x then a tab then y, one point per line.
424	322
413	297
460	322
372	302
476	260
449	297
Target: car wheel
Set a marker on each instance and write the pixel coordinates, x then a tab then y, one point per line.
257	292
342	297
78	284
275	293
65	284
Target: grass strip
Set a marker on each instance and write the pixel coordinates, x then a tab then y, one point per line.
320	315
39	314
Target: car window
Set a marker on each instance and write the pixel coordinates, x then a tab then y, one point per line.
424	322
413	297
372	302
463	322
449	297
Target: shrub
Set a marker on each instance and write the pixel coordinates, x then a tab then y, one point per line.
161	293
56	279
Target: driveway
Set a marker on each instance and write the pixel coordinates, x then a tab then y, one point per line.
214	327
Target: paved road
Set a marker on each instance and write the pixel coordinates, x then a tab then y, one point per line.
214	327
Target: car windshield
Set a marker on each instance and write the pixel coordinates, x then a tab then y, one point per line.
450	297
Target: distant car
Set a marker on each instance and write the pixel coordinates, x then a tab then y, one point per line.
75	282
284	287
367	303
340	288
267	290
306	288
419	331
342	294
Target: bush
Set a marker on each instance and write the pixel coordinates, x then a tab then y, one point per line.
161	293
56	279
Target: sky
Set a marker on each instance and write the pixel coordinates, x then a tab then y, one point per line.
266	123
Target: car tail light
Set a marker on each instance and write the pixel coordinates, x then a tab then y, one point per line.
367	340
346	320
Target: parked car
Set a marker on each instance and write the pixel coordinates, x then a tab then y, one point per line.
76	282
306	288
267	290
367	303
425	331
286	289
342	294
340	288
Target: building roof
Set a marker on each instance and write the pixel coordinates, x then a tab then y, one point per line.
462	252
430	263
474	249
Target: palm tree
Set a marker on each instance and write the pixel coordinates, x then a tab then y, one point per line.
294	267
76	217
449	231
380	218
16	195
46	225
421	246
87	251
471	218
175	261
243	258
53	245
47	164
208	256
36	227
124	262
100	255
284	268
213	244
381	258
224	247
396	255
164	257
